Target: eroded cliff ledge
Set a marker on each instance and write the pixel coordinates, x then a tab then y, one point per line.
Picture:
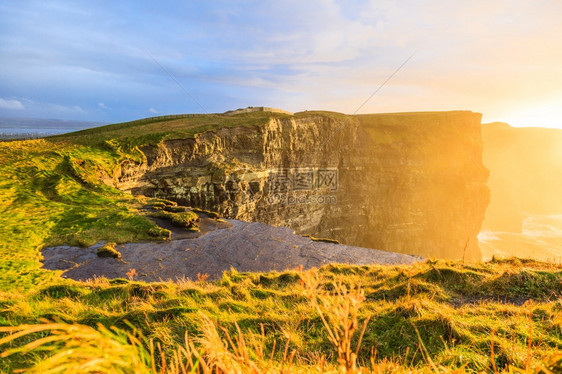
408	182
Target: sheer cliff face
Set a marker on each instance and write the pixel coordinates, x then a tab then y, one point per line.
411	183
525	174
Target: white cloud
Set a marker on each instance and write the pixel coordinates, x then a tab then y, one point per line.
11	104
75	109
103	106
153	111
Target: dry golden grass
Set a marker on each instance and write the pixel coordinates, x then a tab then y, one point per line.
338	310
75	348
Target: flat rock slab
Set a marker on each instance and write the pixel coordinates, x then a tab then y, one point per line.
245	246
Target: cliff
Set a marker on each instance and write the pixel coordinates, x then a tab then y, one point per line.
525	174
252	109
411	182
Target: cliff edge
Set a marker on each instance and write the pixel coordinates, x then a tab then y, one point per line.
408	182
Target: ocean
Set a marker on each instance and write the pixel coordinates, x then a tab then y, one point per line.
33	130
540	239
17	128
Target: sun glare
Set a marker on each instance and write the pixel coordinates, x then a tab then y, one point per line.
540	114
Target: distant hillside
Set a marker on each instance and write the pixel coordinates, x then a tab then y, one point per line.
525	174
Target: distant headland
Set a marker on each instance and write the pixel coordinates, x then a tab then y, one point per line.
251	109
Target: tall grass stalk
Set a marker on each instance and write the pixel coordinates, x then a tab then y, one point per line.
338	310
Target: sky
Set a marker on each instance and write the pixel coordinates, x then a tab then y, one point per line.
109	61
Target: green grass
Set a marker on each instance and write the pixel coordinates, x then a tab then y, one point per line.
458	310
124	137
50	194
181	218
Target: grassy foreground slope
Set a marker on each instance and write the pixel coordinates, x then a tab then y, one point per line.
435	316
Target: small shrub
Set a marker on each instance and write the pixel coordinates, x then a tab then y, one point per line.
108	250
131	274
185	219
160	232
181	219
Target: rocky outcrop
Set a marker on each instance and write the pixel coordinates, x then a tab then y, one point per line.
244	246
411	183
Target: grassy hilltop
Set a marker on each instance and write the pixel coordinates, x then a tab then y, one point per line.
435	316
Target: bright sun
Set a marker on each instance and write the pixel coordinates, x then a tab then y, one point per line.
544	114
